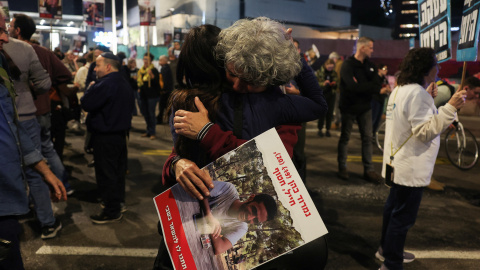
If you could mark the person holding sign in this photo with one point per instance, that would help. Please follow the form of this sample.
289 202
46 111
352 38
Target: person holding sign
412 141
206 78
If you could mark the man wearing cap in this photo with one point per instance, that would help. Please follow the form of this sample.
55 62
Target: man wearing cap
109 103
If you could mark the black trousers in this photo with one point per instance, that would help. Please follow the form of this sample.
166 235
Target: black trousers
10 230
110 155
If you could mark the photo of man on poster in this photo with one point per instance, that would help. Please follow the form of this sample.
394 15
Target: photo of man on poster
93 13
228 217
50 9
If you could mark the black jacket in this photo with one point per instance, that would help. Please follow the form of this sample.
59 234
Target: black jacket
358 82
109 103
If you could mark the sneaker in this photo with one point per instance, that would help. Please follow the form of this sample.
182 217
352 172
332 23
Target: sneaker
328 134
152 137
407 256
104 219
320 133
123 208
343 173
373 177
145 135
51 231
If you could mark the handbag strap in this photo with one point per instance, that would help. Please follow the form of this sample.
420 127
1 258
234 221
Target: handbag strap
391 143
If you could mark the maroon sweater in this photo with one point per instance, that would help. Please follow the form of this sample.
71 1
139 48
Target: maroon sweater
58 74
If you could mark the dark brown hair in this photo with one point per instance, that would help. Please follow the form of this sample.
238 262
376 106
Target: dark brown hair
416 65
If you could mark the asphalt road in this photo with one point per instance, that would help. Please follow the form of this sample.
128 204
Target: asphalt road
446 235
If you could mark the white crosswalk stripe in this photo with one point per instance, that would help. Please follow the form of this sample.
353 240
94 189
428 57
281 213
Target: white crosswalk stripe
97 251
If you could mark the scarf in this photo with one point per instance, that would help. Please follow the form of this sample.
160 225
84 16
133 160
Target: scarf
143 75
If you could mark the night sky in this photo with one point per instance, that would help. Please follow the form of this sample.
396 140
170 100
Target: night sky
369 12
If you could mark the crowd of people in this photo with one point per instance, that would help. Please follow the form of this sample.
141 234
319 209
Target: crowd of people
216 92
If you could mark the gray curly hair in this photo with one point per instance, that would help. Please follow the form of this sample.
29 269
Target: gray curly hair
260 51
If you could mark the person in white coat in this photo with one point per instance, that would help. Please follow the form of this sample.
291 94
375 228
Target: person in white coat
412 141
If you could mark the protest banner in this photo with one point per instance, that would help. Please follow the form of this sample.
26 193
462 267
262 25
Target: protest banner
50 9
6 10
147 12
467 48
93 12
434 27
257 173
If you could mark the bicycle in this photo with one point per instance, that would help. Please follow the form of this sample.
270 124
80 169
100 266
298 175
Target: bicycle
461 145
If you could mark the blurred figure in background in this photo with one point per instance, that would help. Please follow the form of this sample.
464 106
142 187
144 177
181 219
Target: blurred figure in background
378 100
328 80
166 85
148 82
133 71
336 112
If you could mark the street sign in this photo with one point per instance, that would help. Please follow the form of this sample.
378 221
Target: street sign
434 26
467 48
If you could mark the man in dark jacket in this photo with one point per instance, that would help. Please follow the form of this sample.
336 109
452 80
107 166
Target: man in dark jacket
359 81
109 103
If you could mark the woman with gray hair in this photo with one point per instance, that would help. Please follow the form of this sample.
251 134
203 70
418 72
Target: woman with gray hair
260 52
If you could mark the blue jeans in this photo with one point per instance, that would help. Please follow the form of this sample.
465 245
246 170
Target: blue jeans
364 122
49 153
39 190
399 215
148 110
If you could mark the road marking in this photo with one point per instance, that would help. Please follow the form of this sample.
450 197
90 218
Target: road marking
379 159
157 152
97 251
446 254
152 253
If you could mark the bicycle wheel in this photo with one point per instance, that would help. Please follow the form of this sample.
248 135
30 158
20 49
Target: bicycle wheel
461 148
380 136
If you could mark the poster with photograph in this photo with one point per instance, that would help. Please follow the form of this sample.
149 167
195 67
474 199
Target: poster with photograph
259 201
79 43
147 12
6 10
167 39
50 9
93 12
177 34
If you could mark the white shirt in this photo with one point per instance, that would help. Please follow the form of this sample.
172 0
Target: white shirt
411 110
81 77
